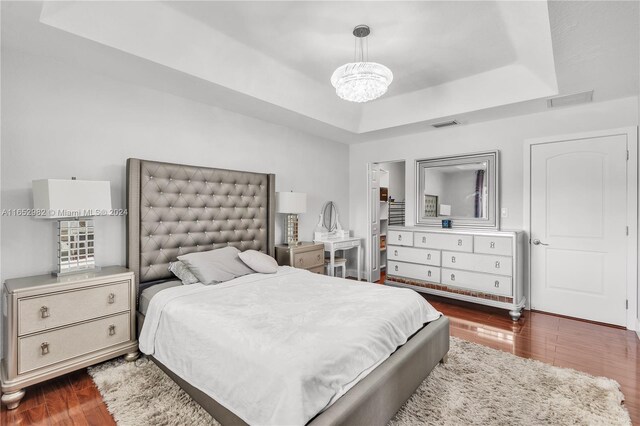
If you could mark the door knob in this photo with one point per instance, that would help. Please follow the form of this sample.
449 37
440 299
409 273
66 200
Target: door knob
537 242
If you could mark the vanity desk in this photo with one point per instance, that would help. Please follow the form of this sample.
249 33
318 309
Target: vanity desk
332 245
330 233
483 267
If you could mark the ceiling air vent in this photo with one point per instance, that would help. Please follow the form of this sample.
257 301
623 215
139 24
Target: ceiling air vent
445 124
573 99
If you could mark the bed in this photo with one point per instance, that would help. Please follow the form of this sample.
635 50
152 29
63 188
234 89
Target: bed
177 209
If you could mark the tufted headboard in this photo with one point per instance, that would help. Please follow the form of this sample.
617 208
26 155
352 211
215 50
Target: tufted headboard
174 209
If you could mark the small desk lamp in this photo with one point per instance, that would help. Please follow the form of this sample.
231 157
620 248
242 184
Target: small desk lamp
71 202
291 204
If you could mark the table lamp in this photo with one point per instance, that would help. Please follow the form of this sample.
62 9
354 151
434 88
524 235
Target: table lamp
291 204
71 202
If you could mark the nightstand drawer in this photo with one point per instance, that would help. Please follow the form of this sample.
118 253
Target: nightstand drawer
55 346
59 309
317 270
309 259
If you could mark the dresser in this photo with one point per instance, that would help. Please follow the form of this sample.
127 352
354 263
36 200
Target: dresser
55 325
306 255
483 267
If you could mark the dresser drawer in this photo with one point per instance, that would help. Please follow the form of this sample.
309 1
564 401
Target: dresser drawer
434 240
50 347
343 245
413 255
415 271
500 265
58 309
486 283
400 238
493 245
309 259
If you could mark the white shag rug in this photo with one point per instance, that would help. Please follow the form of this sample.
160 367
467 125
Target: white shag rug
477 386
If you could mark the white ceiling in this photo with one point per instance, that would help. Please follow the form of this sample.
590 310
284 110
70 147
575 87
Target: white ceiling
424 43
465 60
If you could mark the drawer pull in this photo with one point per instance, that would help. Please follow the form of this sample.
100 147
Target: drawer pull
453 259
497 264
424 239
396 268
459 242
44 348
112 330
497 284
112 298
428 273
320 257
492 245
428 256
300 261
44 312
400 237
395 252
453 277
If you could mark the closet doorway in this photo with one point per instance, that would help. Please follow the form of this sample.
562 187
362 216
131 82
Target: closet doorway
386 207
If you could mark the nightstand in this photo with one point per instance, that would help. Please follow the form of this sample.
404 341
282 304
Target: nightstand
55 325
309 256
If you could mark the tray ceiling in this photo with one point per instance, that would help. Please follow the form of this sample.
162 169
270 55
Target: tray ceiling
273 60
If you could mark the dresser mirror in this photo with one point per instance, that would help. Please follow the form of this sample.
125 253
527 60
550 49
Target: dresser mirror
461 188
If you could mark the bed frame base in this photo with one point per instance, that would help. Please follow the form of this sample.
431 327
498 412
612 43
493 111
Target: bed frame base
376 398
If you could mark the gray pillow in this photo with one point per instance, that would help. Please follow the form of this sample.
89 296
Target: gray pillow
181 271
216 266
259 261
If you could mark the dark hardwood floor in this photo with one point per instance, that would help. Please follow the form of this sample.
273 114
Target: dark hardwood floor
593 348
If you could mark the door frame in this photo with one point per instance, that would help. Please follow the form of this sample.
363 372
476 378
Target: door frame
632 209
368 240
368 244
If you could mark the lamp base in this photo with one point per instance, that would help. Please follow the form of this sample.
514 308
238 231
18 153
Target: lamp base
76 239
291 230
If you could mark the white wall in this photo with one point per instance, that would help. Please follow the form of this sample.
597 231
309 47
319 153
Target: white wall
506 135
60 120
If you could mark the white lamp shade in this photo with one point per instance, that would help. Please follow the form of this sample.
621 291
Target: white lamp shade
291 202
445 210
60 198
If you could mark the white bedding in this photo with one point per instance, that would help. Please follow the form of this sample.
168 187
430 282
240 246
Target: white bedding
278 349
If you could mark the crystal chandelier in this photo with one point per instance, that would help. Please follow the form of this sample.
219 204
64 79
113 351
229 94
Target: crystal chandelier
361 81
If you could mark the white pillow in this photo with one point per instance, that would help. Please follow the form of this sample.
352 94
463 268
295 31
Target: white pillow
181 271
216 266
259 261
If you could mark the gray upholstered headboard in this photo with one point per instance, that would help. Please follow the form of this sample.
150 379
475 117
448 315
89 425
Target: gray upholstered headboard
174 209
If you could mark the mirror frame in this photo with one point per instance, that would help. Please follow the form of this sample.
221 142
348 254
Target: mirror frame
493 167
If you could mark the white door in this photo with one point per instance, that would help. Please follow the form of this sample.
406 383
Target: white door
373 203
579 228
